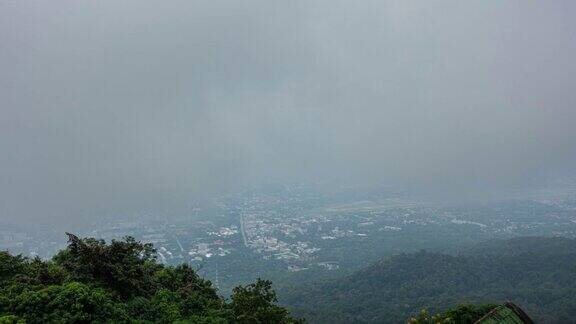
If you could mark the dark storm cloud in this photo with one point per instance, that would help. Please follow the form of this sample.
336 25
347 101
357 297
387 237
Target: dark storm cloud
145 103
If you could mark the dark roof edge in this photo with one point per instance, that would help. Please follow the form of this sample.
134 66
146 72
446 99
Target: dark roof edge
519 312
523 316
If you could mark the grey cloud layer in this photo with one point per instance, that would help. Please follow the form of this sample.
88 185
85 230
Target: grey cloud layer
138 103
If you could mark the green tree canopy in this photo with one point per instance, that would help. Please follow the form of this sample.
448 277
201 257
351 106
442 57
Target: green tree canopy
121 281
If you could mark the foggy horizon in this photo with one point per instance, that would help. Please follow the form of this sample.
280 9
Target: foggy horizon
143 104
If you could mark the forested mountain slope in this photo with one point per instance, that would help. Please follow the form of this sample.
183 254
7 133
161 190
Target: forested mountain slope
537 273
121 282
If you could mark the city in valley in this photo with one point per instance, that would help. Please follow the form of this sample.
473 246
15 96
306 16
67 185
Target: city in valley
290 231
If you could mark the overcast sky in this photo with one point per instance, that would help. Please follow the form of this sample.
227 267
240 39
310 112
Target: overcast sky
137 103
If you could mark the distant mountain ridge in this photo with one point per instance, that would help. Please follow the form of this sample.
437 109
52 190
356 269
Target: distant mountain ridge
537 273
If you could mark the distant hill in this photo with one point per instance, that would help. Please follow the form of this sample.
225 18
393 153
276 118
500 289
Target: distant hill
537 273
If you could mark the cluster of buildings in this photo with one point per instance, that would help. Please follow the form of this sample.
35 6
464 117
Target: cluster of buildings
299 235
276 239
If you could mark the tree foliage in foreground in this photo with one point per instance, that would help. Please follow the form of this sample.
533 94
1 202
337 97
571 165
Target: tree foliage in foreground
91 281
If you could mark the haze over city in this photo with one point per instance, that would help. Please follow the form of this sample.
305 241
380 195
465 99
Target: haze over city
288 162
139 103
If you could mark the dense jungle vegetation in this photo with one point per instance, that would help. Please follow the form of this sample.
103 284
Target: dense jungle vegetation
91 281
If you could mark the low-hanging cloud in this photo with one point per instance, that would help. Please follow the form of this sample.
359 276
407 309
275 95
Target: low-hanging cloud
138 104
